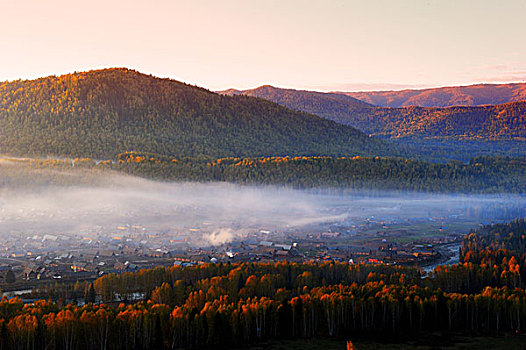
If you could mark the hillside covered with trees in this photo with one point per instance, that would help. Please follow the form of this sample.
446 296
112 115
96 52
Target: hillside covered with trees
319 103
504 122
102 113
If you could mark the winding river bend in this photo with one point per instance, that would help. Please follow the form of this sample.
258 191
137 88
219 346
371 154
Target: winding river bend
451 251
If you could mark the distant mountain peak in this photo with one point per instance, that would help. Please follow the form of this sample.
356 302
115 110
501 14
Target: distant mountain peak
469 95
291 97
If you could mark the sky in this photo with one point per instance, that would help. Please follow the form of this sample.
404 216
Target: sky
326 45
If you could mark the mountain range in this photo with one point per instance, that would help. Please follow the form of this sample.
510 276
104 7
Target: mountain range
472 95
106 112
488 122
103 113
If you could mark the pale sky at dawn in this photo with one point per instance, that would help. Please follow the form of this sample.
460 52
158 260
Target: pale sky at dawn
324 45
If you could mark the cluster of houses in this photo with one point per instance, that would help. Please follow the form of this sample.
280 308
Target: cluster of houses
90 255
77 257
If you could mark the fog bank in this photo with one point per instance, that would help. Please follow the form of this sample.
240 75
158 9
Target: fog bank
215 213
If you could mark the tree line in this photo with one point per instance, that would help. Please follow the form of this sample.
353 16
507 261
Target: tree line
371 174
481 174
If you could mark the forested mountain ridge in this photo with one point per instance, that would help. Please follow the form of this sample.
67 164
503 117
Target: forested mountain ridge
337 107
105 112
319 103
491 122
472 95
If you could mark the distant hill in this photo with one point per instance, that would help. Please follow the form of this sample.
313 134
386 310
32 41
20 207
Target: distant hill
472 95
105 112
337 107
499 122
329 105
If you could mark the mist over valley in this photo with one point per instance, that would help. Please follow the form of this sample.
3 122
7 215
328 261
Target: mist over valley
97 204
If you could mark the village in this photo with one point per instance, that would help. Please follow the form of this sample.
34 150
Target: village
32 260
